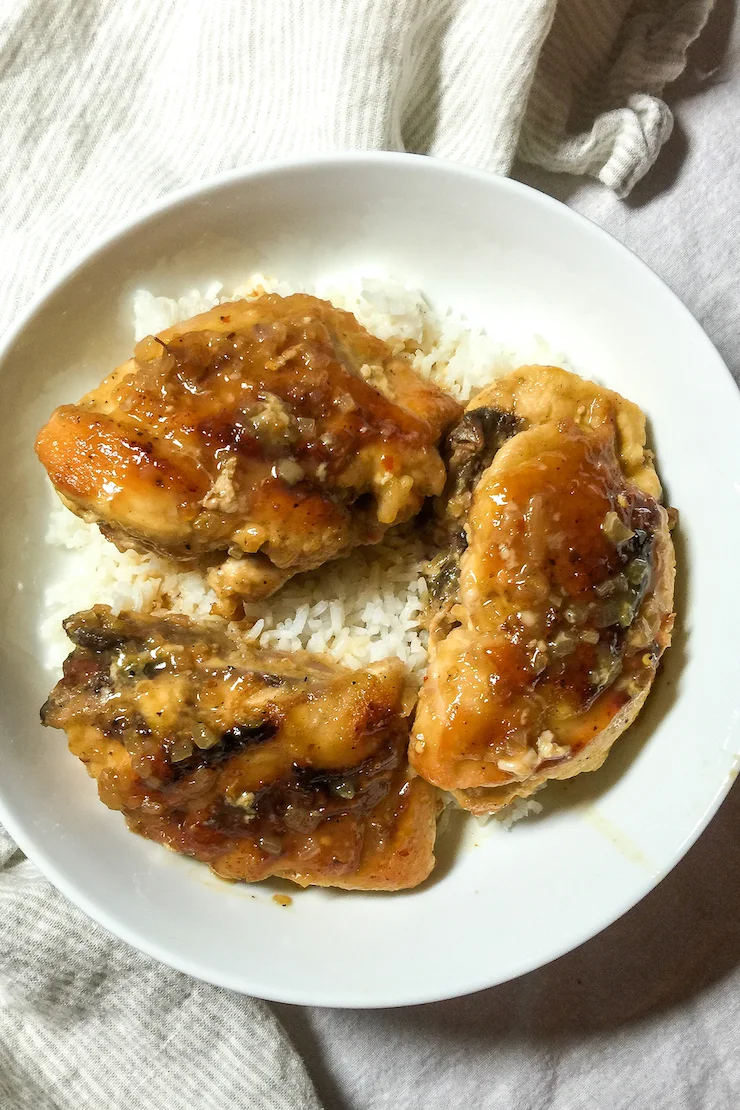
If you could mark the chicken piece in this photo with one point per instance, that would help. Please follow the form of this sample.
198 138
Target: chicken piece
258 762
554 617
260 439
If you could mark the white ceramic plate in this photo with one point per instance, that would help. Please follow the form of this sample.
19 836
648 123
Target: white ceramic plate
501 903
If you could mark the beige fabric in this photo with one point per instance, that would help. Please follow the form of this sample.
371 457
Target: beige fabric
88 1023
107 105
595 106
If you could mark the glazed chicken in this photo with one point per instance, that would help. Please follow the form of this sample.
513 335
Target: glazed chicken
258 762
258 439
555 595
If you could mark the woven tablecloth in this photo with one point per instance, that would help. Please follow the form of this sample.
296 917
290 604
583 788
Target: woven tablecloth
107 106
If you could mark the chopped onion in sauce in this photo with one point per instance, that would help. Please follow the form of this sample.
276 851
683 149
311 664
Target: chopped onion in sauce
615 529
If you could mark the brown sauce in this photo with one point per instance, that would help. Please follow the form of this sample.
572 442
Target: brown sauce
557 563
211 747
567 591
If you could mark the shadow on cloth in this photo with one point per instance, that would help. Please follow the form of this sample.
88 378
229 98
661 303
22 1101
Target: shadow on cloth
704 67
679 941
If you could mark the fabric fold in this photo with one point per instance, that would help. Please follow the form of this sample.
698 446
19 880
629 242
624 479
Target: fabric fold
86 1021
595 106
107 107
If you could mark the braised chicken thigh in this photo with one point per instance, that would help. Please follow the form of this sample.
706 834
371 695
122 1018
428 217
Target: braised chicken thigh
555 595
258 762
264 438
256 440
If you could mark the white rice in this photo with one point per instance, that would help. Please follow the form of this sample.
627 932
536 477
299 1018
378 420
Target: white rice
358 610
452 351
515 811
96 572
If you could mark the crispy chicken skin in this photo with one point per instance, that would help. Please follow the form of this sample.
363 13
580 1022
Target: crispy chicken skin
555 605
260 763
261 438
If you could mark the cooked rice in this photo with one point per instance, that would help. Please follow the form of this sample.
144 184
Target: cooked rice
444 346
358 610
515 811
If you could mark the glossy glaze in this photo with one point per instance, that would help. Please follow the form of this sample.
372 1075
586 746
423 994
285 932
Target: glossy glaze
544 646
257 762
277 426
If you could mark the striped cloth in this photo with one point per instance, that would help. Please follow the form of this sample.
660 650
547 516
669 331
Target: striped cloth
107 106
86 1021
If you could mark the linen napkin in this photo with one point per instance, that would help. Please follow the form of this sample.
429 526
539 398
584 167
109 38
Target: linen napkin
106 107
87 1021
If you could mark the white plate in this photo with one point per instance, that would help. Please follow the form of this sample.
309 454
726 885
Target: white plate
501 903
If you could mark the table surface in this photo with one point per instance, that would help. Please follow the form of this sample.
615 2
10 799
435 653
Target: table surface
648 1013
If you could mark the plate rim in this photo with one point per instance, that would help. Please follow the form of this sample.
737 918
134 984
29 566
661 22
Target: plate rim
37 854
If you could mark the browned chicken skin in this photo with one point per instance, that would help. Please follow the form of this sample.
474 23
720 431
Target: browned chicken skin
264 438
556 597
260 763
261 438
